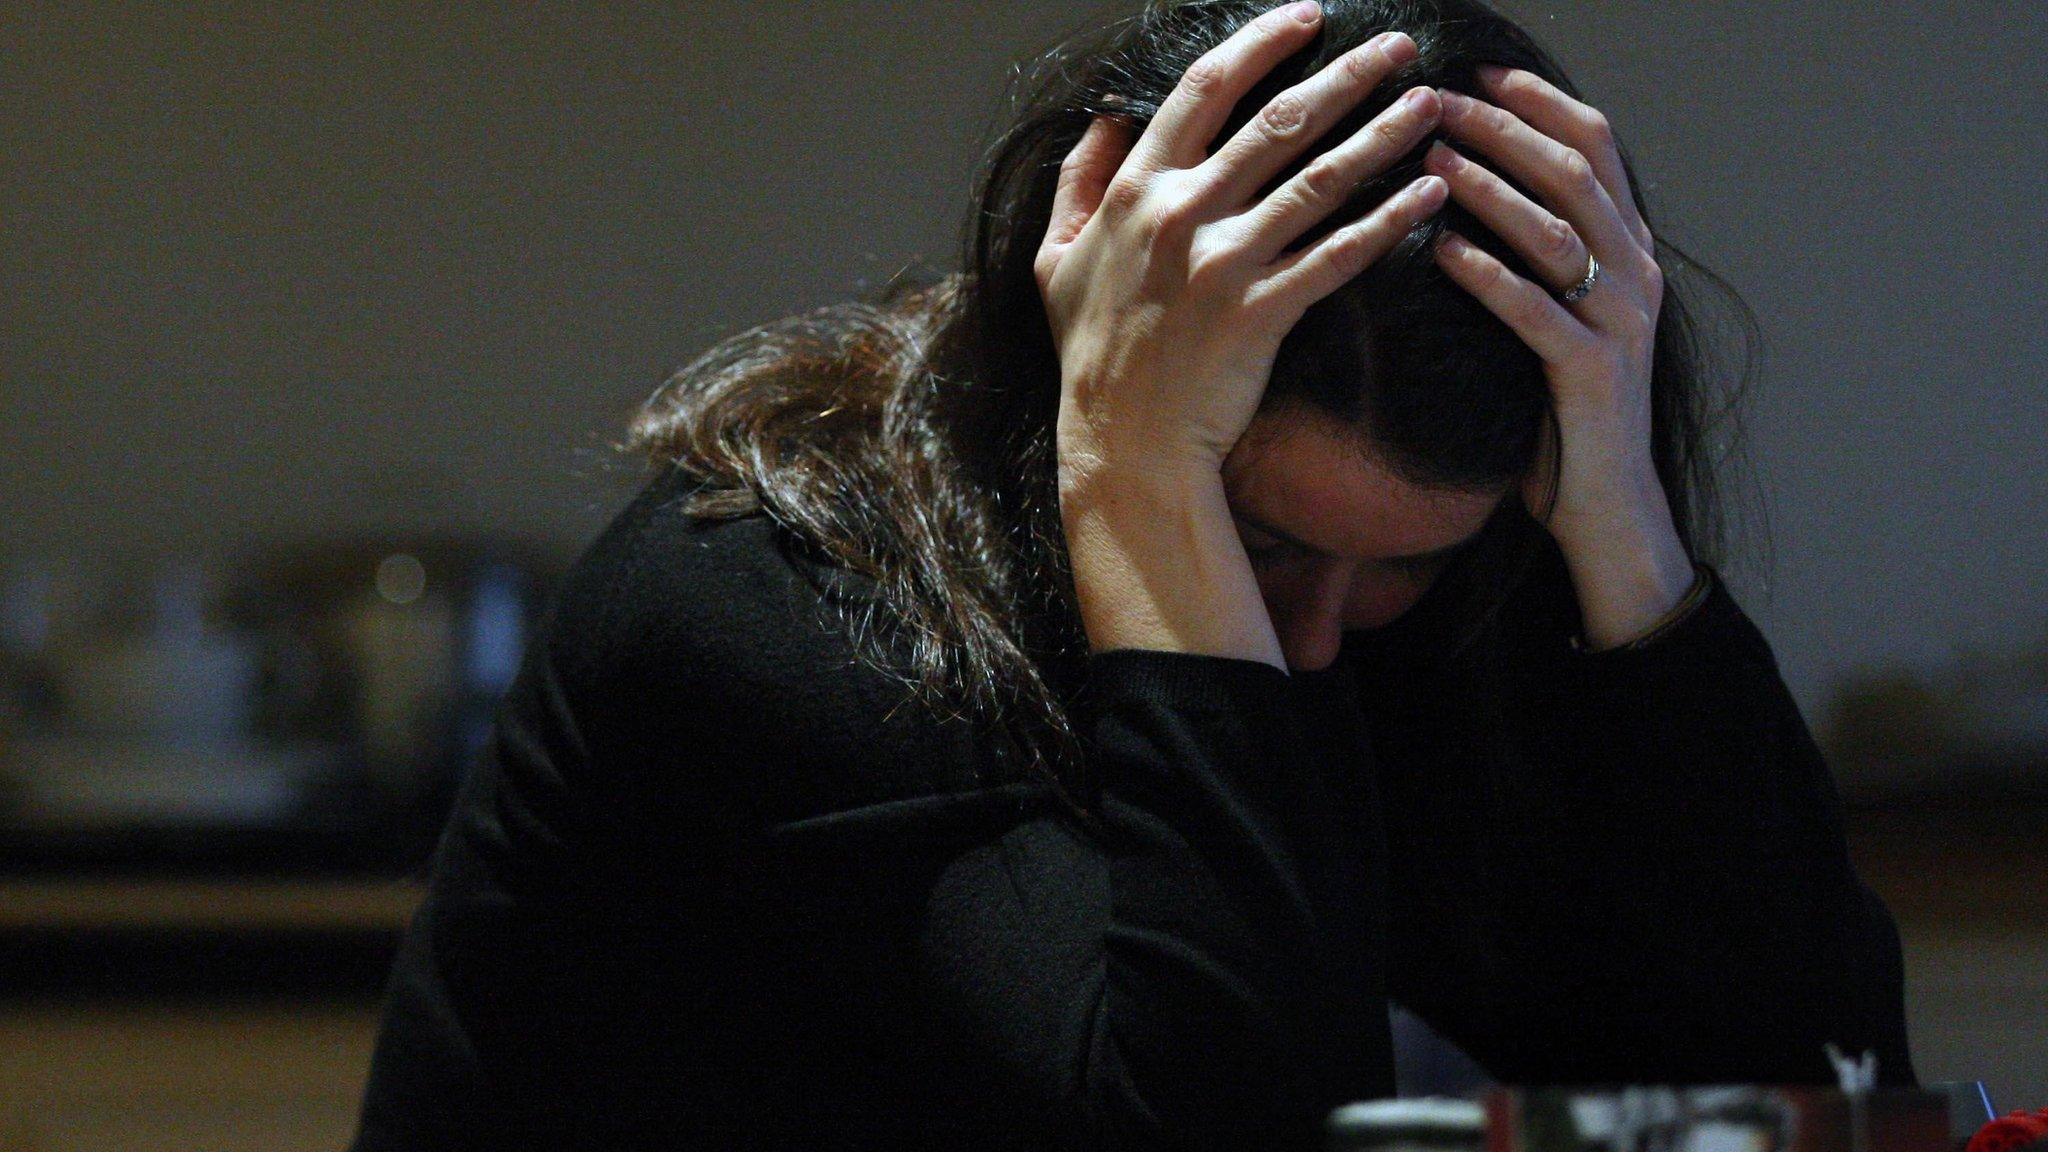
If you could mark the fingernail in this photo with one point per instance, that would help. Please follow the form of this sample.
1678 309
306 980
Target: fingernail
1440 158
1451 243
1453 102
1395 46
1308 11
1490 74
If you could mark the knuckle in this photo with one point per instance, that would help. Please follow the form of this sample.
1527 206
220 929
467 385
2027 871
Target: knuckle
1122 197
1362 66
1351 251
1170 216
1495 193
1389 131
1558 239
1210 271
1578 171
1323 183
1353 246
1156 222
1285 116
1487 277
1203 76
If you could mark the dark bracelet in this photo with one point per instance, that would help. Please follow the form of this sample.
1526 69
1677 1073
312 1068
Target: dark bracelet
1702 584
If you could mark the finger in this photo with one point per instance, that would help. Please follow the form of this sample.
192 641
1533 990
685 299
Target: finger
1534 314
1560 174
1327 181
1549 243
1294 119
1546 108
1179 135
1321 268
1084 174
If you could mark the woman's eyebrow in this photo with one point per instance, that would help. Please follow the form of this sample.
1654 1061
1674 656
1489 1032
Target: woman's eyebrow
1443 553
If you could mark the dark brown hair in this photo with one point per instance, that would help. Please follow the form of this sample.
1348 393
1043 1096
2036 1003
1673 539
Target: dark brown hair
909 440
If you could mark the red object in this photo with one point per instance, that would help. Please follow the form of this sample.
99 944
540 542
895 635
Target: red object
2010 1132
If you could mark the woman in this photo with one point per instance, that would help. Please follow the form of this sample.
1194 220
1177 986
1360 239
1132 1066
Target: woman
1062 706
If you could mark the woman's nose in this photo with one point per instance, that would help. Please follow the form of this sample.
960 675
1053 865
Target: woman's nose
1311 627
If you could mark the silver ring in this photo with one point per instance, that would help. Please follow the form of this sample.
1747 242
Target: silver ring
1577 292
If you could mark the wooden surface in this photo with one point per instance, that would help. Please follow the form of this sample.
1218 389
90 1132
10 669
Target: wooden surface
224 1078
124 903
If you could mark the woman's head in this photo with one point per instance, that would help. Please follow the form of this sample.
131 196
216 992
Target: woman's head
1427 385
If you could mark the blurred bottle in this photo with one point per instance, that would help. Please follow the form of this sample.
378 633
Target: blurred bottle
34 595
174 677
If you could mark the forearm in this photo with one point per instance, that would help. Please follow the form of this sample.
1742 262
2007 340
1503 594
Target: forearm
1158 565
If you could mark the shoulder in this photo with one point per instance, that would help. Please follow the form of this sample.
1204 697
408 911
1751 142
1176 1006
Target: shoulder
696 653
666 594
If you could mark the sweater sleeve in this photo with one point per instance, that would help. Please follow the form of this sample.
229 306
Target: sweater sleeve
1241 984
1668 894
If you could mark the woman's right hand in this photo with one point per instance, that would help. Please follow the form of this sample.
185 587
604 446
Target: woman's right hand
1168 290
1164 278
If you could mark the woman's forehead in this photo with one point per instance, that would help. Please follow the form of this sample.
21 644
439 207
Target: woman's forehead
1311 477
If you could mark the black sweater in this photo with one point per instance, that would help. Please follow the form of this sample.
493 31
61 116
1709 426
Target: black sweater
715 884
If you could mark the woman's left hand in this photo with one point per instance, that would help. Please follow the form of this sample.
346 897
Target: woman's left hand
1608 512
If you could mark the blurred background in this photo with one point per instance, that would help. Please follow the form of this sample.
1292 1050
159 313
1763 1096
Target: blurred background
317 324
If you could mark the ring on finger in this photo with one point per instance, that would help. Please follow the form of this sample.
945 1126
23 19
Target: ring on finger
1512 214
1579 291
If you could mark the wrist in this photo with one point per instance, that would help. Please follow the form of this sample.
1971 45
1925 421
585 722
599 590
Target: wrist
1629 574
1092 456
1695 597
1157 565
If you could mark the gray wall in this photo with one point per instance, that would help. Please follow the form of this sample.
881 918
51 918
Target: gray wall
274 270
